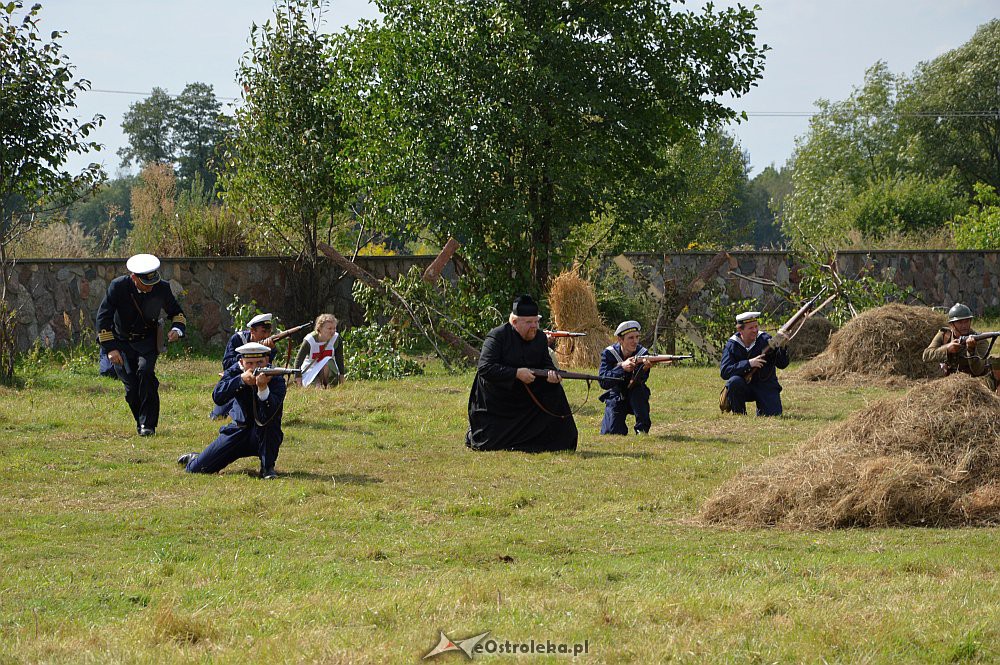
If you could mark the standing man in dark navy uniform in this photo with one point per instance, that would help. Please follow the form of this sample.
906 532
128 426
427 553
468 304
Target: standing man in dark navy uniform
750 374
127 325
257 407
630 395
258 330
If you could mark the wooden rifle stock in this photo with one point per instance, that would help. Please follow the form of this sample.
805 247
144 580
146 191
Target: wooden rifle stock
278 336
648 361
786 332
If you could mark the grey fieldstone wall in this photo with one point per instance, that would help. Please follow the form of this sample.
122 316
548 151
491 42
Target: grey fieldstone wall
47 293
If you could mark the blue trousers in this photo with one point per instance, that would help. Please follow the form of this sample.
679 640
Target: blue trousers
767 397
618 405
235 442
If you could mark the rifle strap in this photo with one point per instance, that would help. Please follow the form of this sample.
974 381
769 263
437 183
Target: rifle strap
572 411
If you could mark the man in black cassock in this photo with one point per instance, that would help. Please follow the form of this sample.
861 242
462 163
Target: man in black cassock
510 408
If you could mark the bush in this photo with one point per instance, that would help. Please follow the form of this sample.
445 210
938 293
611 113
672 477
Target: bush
979 228
370 355
911 204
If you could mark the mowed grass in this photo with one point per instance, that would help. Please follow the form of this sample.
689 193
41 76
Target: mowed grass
383 530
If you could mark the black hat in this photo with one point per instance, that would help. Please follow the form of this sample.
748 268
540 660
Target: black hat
524 305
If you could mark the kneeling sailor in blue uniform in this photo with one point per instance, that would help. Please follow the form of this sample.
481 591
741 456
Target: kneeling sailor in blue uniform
622 360
258 330
748 366
256 427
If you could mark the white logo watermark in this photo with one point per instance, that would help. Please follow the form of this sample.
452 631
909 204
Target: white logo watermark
479 645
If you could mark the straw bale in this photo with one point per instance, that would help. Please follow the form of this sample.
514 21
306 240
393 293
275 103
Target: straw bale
574 308
812 339
880 344
929 457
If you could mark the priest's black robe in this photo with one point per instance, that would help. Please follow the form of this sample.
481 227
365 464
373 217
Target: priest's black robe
502 415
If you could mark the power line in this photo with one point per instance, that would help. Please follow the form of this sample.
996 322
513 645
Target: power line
149 94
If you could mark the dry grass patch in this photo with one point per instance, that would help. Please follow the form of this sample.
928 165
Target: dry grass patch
883 345
928 458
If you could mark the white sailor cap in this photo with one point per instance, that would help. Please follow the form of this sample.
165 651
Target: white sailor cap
145 267
747 317
625 327
259 319
253 350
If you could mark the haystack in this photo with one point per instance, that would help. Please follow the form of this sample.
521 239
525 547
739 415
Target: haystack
812 339
574 308
928 458
884 343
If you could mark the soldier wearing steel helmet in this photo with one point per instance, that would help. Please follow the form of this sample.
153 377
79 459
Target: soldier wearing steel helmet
127 330
948 350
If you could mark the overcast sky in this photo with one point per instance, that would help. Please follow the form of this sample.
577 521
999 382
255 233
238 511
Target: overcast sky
820 49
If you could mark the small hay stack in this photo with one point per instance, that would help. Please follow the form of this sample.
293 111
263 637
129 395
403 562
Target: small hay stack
927 458
884 343
812 339
574 308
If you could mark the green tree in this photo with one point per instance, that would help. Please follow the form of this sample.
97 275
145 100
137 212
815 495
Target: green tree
979 227
689 202
507 124
849 145
760 205
953 110
283 159
183 131
37 134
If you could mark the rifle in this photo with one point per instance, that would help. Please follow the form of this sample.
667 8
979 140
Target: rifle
544 373
277 371
278 336
551 334
648 361
978 337
786 332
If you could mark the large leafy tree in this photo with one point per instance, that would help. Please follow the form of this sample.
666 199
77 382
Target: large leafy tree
953 110
849 145
184 131
507 123
283 167
37 136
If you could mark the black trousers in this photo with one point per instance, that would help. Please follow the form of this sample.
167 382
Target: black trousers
142 388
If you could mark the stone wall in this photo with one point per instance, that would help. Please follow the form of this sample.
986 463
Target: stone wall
48 293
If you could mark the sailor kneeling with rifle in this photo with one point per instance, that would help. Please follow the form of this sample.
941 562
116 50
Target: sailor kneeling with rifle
959 348
623 376
748 367
258 395
509 407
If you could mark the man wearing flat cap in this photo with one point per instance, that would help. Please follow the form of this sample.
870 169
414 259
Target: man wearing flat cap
629 394
257 409
510 408
749 375
258 330
128 326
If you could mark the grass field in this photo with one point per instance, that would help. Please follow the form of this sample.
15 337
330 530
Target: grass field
384 530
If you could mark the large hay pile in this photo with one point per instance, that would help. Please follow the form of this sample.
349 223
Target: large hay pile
928 458
574 308
883 343
812 339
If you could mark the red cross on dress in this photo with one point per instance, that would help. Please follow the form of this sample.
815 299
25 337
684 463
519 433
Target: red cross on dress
322 353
